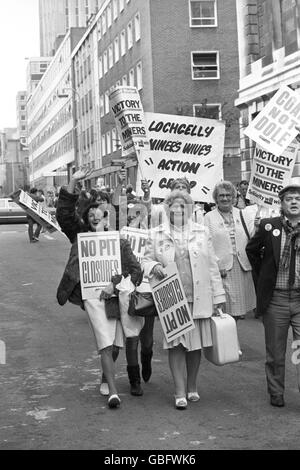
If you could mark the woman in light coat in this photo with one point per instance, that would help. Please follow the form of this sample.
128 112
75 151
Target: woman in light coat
189 245
230 237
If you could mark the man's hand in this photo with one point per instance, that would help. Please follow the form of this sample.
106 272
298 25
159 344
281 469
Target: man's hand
145 187
159 272
81 174
223 272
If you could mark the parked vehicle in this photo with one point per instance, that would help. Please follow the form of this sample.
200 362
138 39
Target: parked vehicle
11 213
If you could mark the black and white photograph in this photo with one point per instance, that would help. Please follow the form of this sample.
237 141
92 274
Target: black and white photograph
150 228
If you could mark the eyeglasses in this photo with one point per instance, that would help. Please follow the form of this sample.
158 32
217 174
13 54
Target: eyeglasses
223 196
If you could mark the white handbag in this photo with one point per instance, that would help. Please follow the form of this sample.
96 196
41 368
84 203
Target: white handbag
225 348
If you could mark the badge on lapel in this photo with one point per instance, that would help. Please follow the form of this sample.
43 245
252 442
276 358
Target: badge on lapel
276 232
268 227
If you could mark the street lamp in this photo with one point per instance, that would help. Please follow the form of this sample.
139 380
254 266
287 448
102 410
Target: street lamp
76 117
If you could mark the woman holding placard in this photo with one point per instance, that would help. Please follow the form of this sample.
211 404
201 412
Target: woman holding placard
103 313
230 231
187 243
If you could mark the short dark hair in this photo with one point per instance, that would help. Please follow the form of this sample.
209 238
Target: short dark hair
85 213
33 191
243 182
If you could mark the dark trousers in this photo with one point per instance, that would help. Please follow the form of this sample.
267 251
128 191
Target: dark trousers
283 312
146 339
38 229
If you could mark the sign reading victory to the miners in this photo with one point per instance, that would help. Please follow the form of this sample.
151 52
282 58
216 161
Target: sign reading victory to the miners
274 127
171 304
182 146
127 108
99 260
270 173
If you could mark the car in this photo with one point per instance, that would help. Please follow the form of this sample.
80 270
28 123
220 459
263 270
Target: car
11 212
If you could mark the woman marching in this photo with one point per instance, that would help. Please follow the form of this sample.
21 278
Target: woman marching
102 315
187 243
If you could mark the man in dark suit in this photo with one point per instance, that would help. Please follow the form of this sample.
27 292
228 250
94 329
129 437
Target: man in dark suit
274 253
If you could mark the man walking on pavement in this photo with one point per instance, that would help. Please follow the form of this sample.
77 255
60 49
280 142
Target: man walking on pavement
34 237
278 284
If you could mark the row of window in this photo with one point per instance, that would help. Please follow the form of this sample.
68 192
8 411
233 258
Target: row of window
110 14
62 146
82 71
58 121
133 78
86 139
86 104
121 44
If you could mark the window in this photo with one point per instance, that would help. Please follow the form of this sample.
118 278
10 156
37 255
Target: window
123 42
103 145
106 103
108 11
115 9
110 56
92 133
131 77
129 35
108 143
23 118
114 139
137 27
203 13
91 99
205 65
23 107
121 5
139 76
209 111
124 80
102 106
117 51
23 128
103 22
105 67
118 83
100 67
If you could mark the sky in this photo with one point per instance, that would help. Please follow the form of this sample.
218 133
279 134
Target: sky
19 38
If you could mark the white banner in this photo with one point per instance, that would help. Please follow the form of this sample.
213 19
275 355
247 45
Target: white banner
99 260
270 173
183 146
274 127
171 304
37 211
127 108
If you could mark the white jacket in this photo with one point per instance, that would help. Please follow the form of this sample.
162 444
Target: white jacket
207 283
221 239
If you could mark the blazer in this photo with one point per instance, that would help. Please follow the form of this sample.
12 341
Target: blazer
221 239
207 282
263 251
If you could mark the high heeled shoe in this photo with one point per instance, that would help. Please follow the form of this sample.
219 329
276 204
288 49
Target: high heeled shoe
180 403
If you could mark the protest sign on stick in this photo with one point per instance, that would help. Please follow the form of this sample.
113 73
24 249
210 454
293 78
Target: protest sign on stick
171 304
127 108
99 259
36 210
183 146
270 173
274 128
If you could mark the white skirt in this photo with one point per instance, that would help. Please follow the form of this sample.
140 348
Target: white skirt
107 332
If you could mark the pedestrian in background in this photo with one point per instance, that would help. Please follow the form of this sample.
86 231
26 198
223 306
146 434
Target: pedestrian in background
230 236
278 285
241 200
36 195
102 314
181 240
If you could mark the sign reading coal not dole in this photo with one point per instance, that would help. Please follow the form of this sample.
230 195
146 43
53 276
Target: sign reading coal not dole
274 127
99 259
127 108
183 146
270 173
171 304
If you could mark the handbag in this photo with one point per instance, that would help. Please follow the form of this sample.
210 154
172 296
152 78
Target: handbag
142 304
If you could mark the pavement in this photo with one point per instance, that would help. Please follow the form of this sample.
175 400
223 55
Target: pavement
49 386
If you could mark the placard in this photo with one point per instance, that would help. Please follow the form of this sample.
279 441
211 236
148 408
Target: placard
270 173
171 304
274 127
183 146
99 259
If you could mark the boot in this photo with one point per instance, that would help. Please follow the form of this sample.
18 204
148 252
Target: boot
135 380
146 365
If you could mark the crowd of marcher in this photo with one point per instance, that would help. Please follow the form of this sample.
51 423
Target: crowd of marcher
227 257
